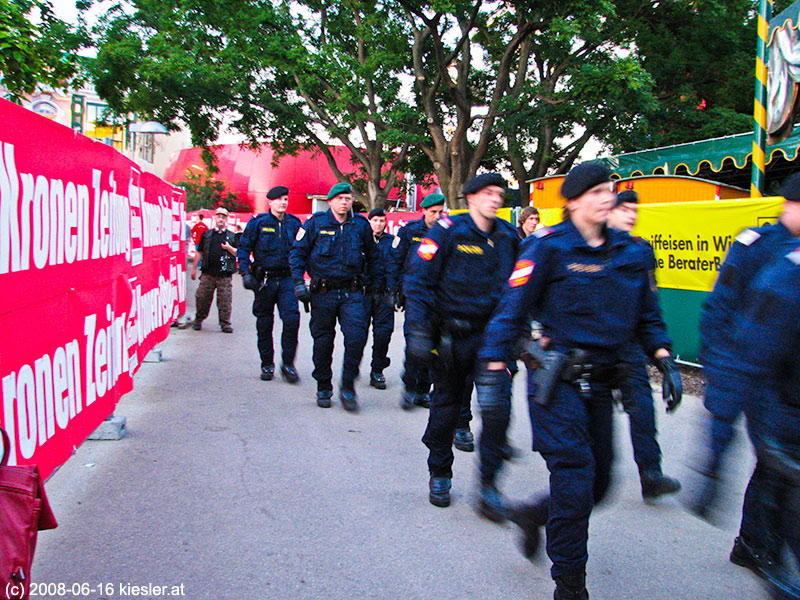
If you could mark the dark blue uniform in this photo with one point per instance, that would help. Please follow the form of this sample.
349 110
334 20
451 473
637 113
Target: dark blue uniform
752 249
379 311
637 394
334 255
597 299
766 342
416 377
269 239
453 284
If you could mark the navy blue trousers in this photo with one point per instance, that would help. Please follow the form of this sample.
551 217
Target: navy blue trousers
450 403
348 307
280 292
416 375
381 315
574 436
638 403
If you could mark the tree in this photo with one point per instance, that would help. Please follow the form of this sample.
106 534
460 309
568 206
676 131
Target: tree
290 74
204 190
36 47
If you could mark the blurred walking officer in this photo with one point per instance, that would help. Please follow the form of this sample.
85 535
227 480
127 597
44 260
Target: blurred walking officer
637 396
268 238
332 247
767 338
453 285
589 288
380 311
416 377
726 375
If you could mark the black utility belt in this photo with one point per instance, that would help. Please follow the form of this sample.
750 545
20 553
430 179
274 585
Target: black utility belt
462 328
327 285
264 273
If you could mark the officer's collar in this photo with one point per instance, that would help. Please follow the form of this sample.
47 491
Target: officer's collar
332 218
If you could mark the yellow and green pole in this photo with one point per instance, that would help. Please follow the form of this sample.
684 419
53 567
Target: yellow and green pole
760 104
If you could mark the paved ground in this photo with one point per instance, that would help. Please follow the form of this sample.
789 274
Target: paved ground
238 489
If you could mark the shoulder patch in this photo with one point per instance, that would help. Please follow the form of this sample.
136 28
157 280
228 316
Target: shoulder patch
445 221
747 237
521 273
427 249
300 234
396 241
794 256
544 231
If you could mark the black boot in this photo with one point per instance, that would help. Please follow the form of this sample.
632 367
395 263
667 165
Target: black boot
491 503
530 518
267 372
324 398
757 560
656 484
571 587
464 440
348 397
439 491
289 373
377 380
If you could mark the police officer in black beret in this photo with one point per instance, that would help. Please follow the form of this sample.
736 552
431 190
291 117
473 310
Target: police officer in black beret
589 287
379 305
637 396
268 239
453 286
336 248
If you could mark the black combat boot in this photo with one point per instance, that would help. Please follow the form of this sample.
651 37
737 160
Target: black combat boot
348 398
756 559
655 484
491 503
408 399
571 587
377 380
324 398
267 372
439 491
423 400
464 440
530 518
289 373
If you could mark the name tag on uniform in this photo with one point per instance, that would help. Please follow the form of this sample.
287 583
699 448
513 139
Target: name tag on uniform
268 229
416 239
580 268
469 249
327 232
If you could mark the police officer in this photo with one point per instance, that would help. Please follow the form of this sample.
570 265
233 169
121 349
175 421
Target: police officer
379 299
589 288
766 339
725 375
637 397
332 247
268 239
453 285
416 377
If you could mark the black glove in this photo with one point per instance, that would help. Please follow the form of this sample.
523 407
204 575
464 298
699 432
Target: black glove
419 344
302 292
388 299
249 282
399 300
672 387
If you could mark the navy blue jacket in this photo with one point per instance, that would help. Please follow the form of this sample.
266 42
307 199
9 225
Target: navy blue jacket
458 271
386 277
406 243
268 240
336 252
598 299
752 249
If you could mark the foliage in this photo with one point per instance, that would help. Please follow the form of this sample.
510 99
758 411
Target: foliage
36 47
205 191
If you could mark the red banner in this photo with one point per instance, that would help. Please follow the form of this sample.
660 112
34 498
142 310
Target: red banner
92 273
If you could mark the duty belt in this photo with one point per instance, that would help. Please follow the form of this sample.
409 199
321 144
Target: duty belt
326 285
278 273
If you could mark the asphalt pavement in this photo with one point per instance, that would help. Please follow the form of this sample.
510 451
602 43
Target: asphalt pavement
228 487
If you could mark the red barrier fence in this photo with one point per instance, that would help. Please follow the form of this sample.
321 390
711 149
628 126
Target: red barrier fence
92 273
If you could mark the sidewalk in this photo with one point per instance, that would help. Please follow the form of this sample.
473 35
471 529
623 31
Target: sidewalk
240 489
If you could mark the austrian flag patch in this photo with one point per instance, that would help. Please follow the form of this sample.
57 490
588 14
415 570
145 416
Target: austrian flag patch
427 249
521 274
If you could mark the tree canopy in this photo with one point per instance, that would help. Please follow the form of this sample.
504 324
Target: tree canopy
444 86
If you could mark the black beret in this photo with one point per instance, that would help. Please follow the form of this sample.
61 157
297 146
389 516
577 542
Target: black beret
791 188
277 192
376 212
584 177
477 183
627 196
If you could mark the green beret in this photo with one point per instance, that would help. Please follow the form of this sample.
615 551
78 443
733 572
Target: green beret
432 200
339 188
